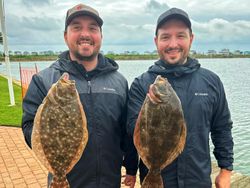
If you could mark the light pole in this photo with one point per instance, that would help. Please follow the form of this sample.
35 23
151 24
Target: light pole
6 54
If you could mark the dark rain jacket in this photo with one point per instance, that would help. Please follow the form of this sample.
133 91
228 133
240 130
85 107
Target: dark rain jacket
103 93
205 110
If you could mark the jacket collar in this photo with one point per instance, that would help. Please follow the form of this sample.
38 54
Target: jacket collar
65 64
162 68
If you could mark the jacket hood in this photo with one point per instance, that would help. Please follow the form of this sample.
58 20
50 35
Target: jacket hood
162 68
65 64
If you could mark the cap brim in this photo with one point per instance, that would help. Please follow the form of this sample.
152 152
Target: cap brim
87 13
174 16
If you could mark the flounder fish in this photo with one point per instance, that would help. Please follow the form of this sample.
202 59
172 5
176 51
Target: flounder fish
160 131
60 133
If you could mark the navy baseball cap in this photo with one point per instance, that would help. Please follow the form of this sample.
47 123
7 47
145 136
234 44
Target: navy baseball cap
173 13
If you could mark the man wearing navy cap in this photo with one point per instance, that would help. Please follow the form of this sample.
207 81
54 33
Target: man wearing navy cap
103 94
203 101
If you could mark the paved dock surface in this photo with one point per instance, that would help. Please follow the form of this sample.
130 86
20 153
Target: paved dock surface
19 167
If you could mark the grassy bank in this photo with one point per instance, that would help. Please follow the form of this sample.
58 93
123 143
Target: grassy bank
155 56
10 115
116 57
132 57
31 58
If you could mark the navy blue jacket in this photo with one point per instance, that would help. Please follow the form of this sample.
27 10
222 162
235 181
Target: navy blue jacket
205 110
103 93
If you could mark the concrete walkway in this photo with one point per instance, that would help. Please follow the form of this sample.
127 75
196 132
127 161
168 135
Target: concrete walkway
19 166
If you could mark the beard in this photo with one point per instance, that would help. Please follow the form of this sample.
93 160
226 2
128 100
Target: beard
85 58
181 60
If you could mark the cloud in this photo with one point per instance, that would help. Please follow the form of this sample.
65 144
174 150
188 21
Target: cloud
129 24
33 3
203 10
132 26
130 34
155 7
220 30
34 30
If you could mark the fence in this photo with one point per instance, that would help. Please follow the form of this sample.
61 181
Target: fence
26 74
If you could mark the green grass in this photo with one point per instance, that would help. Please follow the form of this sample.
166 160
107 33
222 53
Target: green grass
10 115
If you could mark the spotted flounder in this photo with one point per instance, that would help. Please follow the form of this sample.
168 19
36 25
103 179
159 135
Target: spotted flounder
160 132
60 132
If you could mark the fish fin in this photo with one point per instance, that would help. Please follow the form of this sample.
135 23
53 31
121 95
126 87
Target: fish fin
136 135
59 182
183 137
153 180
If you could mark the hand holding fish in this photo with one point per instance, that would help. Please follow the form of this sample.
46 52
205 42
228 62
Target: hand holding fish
160 131
129 180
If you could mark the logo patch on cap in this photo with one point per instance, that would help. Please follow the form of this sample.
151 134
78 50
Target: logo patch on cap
79 7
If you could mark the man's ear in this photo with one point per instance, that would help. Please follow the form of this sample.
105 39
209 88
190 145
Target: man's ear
191 38
65 37
156 40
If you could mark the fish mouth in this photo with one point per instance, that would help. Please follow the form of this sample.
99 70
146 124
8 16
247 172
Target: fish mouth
159 80
65 79
68 81
159 89
154 93
65 76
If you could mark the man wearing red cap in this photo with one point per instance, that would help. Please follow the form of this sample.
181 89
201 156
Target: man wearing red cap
103 93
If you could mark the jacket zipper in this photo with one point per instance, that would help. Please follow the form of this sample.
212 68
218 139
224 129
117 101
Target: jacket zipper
89 87
96 142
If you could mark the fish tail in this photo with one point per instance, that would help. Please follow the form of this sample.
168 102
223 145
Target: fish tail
153 180
61 182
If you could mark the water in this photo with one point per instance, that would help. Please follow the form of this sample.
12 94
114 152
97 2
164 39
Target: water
234 74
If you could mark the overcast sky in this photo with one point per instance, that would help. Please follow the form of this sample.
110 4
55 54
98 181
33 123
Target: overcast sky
37 25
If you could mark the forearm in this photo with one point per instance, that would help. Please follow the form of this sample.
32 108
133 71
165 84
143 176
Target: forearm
221 131
223 148
135 102
130 161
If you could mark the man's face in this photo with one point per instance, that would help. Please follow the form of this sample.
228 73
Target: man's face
173 41
83 37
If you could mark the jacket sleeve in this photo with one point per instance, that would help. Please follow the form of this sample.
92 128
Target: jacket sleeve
135 101
33 98
130 160
221 133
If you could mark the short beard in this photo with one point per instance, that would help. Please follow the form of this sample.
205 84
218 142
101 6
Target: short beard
181 61
85 58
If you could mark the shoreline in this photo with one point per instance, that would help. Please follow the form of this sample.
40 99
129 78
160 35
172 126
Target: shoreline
32 58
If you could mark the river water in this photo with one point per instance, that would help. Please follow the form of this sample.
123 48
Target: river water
235 75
